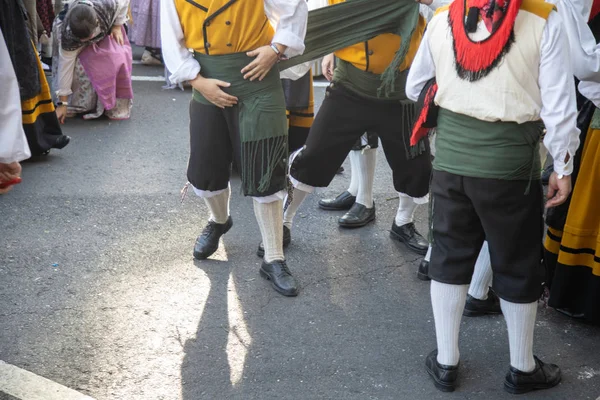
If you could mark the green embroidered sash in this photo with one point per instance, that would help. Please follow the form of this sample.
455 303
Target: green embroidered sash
341 25
263 123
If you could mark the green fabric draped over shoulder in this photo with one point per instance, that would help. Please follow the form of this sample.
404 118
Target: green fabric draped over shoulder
341 25
263 123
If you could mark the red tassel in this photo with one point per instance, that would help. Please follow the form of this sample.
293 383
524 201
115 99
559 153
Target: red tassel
475 59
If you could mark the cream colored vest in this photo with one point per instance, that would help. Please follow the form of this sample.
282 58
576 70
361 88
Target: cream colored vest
510 92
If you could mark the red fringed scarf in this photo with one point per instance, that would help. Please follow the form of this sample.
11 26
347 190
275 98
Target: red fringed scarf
426 112
474 60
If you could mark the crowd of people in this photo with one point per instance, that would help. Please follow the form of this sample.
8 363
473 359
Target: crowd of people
466 98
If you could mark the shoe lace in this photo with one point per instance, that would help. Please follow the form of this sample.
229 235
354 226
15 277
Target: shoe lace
284 269
208 229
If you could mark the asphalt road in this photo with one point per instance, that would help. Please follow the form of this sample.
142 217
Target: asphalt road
101 294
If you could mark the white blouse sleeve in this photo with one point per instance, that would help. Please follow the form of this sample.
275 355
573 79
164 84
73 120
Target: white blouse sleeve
13 143
585 54
122 8
178 59
66 69
559 107
288 17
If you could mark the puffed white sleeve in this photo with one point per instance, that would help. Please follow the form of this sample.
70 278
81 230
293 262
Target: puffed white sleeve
288 17
585 54
178 59
421 70
559 106
13 143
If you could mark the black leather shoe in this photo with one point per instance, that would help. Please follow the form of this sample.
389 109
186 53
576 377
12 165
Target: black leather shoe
444 376
357 216
544 376
61 142
208 241
423 271
344 201
475 307
408 235
287 239
340 170
546 174
280 276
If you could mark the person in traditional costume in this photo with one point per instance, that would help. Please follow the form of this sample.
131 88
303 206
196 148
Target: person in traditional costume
238 111
363 159
573 287
92 67
352 106
39 119
493 79
13 142
145 29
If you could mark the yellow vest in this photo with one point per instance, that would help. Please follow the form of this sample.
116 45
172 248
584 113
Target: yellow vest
224 26
376 54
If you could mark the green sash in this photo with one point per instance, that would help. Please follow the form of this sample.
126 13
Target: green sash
263 123
367 84
341 25
496 150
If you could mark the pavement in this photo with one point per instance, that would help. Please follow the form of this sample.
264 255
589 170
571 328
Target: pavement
100 293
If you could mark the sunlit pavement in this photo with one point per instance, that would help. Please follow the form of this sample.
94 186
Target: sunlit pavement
100 293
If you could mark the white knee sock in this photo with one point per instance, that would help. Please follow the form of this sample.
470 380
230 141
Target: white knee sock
428 255
366 174
406 210
520 321
270 222
292 204
354 168
219 206
448 302
482 276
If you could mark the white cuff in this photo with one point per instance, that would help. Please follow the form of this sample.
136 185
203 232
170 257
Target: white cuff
417 200
271 198
207 194
562 168
295 44
187 71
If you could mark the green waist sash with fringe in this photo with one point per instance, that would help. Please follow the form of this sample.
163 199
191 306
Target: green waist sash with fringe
263 123
344 24
366 85
497 150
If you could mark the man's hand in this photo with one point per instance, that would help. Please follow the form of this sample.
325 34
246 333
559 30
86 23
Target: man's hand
61 113
328 65
211 90
8 172
558 190
265 59
117 33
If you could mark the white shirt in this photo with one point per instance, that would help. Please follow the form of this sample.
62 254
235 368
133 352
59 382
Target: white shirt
559 109
288 17
67 59
13 143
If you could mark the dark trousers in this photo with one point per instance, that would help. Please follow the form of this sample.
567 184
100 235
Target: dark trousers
467 211
342 119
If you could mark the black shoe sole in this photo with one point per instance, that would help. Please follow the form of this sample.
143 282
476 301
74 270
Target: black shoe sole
510 388
443 386
277 288
204 256
357 225
417 250
422 276
335 208
473 313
